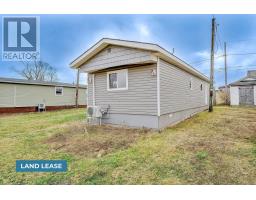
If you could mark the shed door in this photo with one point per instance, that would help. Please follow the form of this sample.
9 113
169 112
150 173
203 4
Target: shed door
246 95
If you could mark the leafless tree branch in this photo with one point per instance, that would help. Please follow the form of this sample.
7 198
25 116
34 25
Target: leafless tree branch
38 70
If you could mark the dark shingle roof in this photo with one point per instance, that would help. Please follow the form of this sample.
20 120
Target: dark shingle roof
33 82
250 79
245 81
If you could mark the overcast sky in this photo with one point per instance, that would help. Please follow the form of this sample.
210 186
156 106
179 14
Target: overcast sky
64 37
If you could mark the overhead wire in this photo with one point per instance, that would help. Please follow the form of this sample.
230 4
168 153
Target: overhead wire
219 46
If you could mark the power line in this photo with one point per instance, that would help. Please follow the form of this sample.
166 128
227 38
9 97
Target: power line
219 38
242 66
240 54
219 56
207 59
238 67
216 44
245 40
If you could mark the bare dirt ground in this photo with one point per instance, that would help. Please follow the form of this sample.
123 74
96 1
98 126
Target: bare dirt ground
94 141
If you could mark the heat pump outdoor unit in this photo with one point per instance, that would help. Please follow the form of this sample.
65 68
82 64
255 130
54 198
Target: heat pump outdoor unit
41 107
94 112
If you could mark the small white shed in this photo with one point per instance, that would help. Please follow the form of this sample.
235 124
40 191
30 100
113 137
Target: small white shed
243 91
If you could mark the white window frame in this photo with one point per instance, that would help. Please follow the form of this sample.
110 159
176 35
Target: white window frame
116 71
56 90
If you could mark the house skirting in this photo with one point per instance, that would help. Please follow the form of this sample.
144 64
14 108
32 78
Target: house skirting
34 108
170 119
150 121
131 120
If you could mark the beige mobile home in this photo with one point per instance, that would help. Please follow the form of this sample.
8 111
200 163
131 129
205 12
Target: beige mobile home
19 95
140 84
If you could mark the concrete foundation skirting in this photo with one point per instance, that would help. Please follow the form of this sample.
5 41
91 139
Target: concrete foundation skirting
34 108
150 121
175 117
136 121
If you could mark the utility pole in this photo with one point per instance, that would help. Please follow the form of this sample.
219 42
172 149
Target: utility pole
212 65
77 86
226 81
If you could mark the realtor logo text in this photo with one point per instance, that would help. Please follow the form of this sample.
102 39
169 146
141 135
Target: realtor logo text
21 39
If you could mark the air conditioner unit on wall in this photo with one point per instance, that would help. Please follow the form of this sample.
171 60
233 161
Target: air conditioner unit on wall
41 107
94 112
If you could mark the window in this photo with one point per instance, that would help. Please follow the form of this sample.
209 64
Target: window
58 91
117 80
191 84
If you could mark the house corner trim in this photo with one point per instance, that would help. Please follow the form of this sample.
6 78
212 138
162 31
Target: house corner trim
93 89
158 87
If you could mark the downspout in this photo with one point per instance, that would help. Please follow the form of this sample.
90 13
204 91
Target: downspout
86 92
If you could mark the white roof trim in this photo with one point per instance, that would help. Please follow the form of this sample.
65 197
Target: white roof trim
159 51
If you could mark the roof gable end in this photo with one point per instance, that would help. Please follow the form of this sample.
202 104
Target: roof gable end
159 52
113 56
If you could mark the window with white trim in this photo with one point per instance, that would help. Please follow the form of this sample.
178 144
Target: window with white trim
117 80
58 91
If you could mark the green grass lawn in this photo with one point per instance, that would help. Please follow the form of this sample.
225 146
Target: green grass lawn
209 148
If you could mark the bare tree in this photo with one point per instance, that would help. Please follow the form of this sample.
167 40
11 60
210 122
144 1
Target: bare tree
38 70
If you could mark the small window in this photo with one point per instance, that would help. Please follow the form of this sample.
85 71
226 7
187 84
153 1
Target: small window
117 80
201 87
58 91
191 84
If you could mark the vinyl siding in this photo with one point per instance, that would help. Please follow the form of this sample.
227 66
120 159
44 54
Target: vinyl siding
140 98
117 57
31 95
7 93
175 93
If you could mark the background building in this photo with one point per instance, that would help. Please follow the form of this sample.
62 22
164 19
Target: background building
19 95
243 91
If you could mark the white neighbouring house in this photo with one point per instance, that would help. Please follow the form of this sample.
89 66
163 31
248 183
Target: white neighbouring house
243 91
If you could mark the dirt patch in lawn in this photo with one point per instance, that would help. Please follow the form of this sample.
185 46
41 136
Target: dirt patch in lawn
94 141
